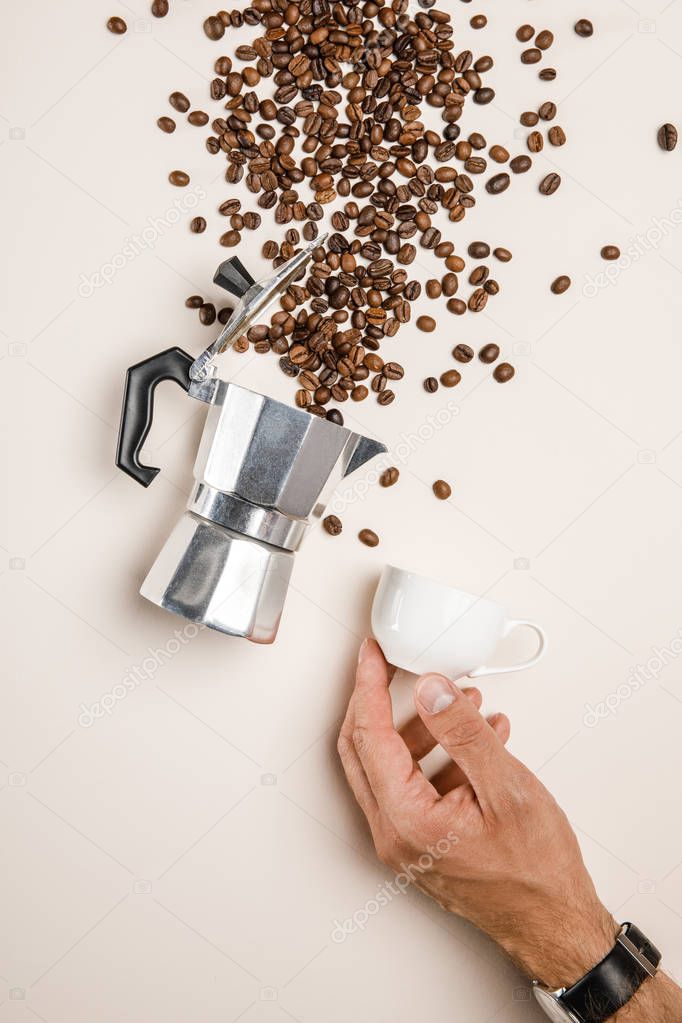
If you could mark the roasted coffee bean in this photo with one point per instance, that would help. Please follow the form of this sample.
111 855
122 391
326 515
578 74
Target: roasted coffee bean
431 385
386 397
389 476
450 378
529 119
547 111
478 21
442 490
479 250
610 252
547 74
207 314
503 372
179 102
535 142
334 416
252 221
584 28
521 164
434 289
230 207
499 154
504 255
426 323
524 33
393 371
224 315
544 39
332 524
561 284
456 306
117 26
178 178
531 56
160 8
498 183
198 118
269 250
463 353
667 137
230 239
166 124
194 302
549 184
484 96
368 537
489 353
556 135
197 225
214 27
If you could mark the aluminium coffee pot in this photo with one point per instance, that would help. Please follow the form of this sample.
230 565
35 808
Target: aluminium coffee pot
263 471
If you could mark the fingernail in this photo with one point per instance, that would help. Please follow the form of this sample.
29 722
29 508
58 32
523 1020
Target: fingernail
362 652
435 693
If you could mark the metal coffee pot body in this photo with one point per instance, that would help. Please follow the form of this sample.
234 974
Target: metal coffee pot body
263 472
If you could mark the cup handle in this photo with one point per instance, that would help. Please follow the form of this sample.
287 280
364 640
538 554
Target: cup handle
540 652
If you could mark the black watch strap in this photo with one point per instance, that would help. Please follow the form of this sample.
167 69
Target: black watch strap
613 981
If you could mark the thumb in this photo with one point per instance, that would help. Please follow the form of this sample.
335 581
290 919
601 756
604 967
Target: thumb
462 732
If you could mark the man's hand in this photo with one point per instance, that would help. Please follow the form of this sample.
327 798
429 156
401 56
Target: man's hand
498 849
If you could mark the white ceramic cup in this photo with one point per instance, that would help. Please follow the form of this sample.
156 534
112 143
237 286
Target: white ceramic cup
425 626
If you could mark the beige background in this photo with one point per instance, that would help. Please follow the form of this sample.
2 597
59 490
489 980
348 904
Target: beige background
187 855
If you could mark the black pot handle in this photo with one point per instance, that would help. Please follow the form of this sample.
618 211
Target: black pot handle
138 407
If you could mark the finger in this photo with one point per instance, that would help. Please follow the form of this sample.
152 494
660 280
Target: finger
451 776
463 733
418 738
394 777
353 769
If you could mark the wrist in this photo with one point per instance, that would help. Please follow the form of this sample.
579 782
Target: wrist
561 948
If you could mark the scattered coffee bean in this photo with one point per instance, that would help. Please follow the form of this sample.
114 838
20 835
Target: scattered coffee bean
561 284
160 8
426 323
504 255
252 221
556 135
197 225
584 28
478 21
117 26
333 525
610 252
194 302
504 372
479 250
489 353
499 154
178 178
535 142
497 184
521 164
270 250
547 111
434 289
547 74
214 27
389 476
334 416
368 537
179 102
230 239
667 137
544 39
166 124
524 33
531 56
450 378
442 490
463 353
549 184
207 314
198 118
529 119
431 385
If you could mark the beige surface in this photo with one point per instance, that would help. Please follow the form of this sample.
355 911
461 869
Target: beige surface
188 855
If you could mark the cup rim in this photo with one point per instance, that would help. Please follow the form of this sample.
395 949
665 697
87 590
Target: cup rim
446 587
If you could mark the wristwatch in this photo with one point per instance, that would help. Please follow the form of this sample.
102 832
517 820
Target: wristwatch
608 986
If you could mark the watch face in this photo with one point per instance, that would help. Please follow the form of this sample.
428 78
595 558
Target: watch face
552 1007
